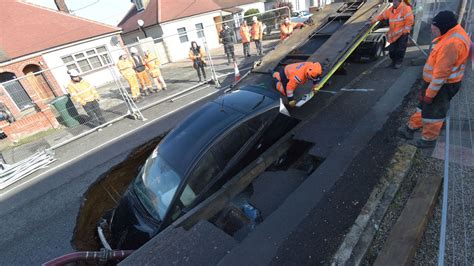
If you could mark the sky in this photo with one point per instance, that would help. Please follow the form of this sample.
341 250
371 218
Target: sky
105 11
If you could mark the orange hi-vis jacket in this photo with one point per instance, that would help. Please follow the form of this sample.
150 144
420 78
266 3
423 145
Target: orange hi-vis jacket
82 92
400 21
245 34
296 75
447 60
125 67
287 30
257 30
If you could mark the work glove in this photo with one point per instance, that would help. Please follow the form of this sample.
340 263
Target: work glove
427 100
292 103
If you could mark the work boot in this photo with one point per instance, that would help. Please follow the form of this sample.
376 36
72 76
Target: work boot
406 132
421 143
145 93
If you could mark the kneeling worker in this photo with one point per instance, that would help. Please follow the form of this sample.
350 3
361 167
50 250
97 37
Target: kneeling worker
294 75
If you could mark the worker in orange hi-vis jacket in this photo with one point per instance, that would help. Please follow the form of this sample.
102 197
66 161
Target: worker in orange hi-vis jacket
245 36
289 78
400 21
257 34
287 27
442 75
125 67
153 65
140 69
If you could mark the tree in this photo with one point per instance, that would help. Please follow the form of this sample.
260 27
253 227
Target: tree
250 13
269 19
282 13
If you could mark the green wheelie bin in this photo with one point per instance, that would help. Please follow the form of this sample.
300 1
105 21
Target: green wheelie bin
66 110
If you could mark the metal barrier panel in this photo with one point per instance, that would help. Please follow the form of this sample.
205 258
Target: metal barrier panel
37 113
457 225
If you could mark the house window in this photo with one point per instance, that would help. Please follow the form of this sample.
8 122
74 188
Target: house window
88 60
200 30
138 4
183 36
15 90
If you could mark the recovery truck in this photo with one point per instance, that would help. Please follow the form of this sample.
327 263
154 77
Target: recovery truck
338 31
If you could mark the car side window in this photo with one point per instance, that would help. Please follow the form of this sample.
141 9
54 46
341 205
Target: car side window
206 169
230 145
257 122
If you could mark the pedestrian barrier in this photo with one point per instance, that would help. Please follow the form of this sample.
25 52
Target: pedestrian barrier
91 89
455 145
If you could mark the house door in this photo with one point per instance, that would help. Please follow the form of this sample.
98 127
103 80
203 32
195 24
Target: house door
15 90
38 82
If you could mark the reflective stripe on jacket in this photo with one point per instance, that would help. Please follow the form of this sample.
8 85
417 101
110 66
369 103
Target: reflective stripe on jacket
287 30
245 34
447 60
296 75
82 92
257 30
400 21
125 67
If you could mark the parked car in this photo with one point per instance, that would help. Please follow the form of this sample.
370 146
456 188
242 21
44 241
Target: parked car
300 16
194 160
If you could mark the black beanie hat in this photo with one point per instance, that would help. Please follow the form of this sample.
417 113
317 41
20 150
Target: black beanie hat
445 20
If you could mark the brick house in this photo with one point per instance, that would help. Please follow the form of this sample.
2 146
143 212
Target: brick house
37 46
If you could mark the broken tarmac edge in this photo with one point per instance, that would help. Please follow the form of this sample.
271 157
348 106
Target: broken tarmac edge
356 243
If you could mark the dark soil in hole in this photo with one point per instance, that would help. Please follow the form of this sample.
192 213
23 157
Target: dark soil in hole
104 195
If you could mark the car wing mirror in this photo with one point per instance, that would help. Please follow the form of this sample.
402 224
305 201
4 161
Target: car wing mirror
283 109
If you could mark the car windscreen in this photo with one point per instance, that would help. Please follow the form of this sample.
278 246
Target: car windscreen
156 185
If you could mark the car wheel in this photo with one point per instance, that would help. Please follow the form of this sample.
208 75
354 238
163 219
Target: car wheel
378 50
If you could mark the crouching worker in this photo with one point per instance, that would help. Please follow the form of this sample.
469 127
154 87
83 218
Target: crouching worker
289 78
86 95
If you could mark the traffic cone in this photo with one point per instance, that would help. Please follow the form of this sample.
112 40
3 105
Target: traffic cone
236 72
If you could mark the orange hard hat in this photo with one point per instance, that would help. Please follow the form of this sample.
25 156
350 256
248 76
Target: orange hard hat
314 71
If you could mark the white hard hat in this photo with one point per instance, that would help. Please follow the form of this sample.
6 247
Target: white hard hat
133 50
254 18
73 73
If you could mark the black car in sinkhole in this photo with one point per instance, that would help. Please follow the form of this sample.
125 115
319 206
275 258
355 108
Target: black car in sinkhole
193 161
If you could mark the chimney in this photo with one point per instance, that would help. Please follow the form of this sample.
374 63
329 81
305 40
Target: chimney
61 5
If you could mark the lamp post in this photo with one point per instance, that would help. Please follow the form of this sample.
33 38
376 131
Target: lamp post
140 26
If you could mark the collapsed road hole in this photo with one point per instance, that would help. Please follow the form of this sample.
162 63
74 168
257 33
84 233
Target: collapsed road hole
104 195
268 191
107 192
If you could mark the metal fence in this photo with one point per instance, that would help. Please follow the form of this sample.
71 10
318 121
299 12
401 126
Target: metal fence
40 114
456 245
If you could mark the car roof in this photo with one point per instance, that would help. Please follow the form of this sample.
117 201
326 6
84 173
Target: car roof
184 144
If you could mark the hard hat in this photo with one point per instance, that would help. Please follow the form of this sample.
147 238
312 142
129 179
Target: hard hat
254 18
314 71
133 50
73 73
